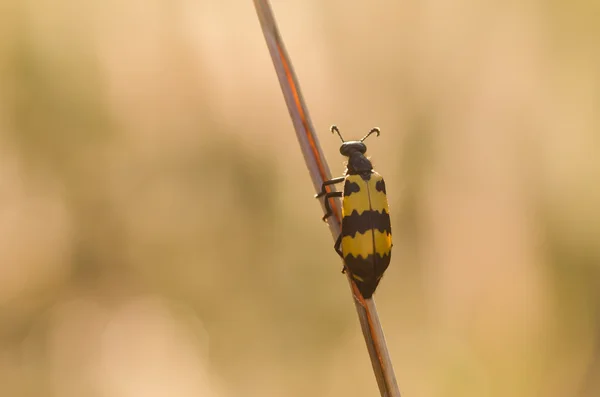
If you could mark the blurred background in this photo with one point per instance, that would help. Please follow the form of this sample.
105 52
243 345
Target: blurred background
158 232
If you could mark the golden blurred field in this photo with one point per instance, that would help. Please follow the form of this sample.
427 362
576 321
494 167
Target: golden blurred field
158 232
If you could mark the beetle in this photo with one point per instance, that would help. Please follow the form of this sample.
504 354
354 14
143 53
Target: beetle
365 243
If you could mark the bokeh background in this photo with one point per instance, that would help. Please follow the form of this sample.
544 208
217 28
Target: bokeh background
158 232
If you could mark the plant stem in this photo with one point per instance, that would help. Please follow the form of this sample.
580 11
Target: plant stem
319 172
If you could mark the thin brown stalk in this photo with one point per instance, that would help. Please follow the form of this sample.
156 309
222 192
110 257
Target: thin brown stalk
319 172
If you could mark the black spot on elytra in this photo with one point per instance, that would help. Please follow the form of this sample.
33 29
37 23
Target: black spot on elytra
367 220
351 187
380 186
369 269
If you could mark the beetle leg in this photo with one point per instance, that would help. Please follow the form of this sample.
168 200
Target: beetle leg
327 206
329 182
337 245
337 248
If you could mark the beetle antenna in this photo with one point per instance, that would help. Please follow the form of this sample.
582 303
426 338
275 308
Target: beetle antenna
335 129
370 132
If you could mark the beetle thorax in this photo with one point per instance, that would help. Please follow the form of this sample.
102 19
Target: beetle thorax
358 163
